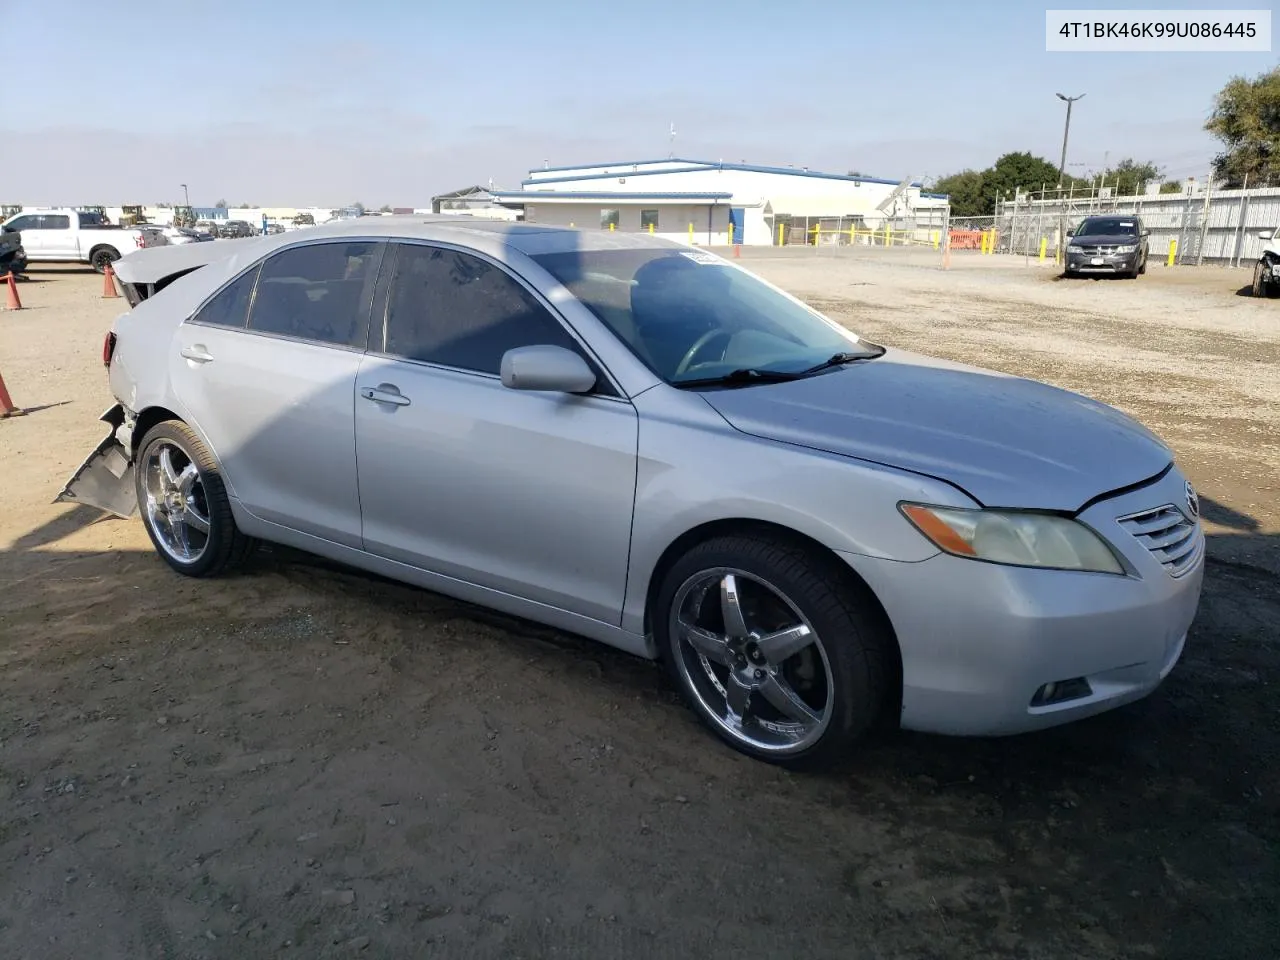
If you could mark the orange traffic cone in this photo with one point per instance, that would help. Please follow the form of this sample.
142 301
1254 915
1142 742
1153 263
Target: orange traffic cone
12 302
7 409
109 283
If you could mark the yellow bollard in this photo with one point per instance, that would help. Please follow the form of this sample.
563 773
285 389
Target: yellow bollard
815 236
611 226
853 233
1173 252
651 228
1044 245
690 234
779 234
888 236
934 236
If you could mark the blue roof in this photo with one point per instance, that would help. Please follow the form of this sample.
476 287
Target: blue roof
694 166
529 195
625 163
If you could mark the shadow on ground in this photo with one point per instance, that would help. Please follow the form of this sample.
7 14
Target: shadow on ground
200 761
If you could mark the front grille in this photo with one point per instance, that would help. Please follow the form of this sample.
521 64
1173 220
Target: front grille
1096 251
1168 535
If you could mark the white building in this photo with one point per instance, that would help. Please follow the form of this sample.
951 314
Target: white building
700 201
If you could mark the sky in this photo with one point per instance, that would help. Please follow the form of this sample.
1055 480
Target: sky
315 102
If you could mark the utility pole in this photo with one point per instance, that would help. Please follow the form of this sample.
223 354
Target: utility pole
1062 164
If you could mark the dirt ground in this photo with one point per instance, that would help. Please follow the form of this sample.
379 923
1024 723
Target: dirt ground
301 761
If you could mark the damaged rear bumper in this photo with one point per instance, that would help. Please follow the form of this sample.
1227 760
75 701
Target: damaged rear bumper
105 479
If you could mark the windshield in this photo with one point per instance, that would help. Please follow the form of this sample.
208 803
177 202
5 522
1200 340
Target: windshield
690 316
1110 226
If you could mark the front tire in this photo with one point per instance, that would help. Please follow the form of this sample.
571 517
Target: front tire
1261 286
184 504
779 651
103 256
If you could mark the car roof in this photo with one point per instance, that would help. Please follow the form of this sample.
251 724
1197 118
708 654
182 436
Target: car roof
153 264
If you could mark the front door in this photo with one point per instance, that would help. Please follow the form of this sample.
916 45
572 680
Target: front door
33 235
524 492
273 396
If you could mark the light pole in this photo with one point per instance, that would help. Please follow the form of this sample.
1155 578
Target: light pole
186 197
1062 164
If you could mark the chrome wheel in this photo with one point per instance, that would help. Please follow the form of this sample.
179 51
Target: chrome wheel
177 509
754 663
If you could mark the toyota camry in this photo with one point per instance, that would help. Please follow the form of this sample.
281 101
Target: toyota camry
647 444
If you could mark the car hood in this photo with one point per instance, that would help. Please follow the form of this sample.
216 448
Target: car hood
1005 440
1104 239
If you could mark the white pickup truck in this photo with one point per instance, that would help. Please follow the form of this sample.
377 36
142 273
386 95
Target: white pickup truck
71 236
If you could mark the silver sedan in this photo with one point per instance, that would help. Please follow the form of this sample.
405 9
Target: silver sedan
646 444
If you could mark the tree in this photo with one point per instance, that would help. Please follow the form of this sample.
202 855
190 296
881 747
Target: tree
1128 177
221 204
1246 118
973 192
965 190
385 208
1171 186
1019 171
358 207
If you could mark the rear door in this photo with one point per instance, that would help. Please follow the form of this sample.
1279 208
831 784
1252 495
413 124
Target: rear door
57 238
267 369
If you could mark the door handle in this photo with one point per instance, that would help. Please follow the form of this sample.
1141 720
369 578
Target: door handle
197 352
385 393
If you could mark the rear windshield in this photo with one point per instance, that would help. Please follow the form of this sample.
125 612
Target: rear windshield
92 220
1115 226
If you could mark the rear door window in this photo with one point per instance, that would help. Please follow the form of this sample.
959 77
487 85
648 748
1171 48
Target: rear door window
318 292
230 306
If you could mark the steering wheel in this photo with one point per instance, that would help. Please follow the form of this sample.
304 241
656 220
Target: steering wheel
698 345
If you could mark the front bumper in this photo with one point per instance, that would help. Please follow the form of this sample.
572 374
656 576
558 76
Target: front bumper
978 640
1104 263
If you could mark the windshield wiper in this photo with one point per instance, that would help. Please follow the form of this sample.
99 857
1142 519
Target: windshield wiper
840 359
739 378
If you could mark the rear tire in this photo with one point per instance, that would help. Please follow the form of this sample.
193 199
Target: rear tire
820 674
100 257
184 504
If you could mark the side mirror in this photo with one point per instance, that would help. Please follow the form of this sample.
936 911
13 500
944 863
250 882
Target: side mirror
546 367
1145 234
1267 235
1071 233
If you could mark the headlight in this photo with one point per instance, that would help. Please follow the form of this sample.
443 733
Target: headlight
1127 248
1074 248
1014 537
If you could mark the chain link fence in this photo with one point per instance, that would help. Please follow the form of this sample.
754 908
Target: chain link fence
919 228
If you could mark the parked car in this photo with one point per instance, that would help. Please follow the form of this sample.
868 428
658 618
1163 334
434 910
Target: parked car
1109 244
208 227
73 236
651 446
1266 272
13 258
236 228
180 235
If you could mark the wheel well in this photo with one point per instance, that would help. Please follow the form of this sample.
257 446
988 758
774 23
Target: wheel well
744 527
102 246
147 419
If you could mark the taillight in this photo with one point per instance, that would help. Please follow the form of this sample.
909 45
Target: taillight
140 239
108 348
